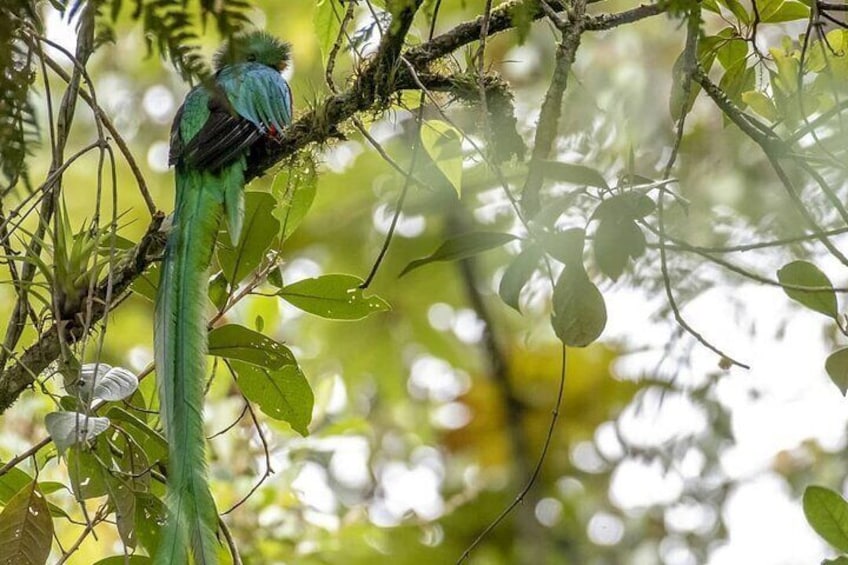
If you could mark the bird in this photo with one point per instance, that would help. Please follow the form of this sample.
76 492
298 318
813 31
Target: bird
224 126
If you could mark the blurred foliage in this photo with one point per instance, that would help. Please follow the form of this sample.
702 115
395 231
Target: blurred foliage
401 435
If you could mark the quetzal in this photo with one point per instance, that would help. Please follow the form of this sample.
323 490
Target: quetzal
222 128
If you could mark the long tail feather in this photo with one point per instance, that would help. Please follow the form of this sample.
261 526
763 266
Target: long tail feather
180 344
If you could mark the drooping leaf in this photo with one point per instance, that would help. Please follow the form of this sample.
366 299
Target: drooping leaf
327 24
574 174
283 394
443 143
150 515
805 274
102 381
125 560
615 243
26 528
86 473
579 312
218 290
154 445
242 344
258 232
629 205
837 369
11 482
735 6
761 104
147 283
69 428
294 188
565 246
337 297
517 274
462 246
122 499
777 11
827 513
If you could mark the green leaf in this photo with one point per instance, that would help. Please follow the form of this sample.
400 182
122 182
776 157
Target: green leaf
242 344
841 560
150 514
294 188
630 205
327 24
462 246
827 513
338 297
443 143
565 246
12 482
574 174
837 368
517 274
146 284
86 473
579 313
805 274
777 11
615 242
258 232
731 49
218 290
737 9
125 560
26 528
283 394
151 441
738 79
761 104
123 501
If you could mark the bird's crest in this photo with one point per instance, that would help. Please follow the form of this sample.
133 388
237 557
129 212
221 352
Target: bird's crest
255 46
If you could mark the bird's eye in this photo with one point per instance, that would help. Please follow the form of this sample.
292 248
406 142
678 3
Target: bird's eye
251 58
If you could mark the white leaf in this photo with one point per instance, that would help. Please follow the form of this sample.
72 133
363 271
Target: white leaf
118 383
68 428
108 383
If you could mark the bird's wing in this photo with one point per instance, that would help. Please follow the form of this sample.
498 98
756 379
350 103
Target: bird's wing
218 123
261 95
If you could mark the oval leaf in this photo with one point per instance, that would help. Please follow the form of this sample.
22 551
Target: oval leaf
282 394
69 428
517 275
574 174
11 482
565 246
337 297
125 560
327 25
26 528
115 384
462 246
242 344
827 513
805 274
443 143
259 229
294 188
579 311
837 368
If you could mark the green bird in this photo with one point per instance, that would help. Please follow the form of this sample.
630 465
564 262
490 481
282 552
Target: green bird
219 133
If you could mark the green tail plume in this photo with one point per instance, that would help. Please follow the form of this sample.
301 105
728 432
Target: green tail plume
180 344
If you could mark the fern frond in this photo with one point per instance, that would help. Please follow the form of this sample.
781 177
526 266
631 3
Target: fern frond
18 123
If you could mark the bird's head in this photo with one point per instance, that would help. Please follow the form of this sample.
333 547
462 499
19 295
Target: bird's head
254 47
